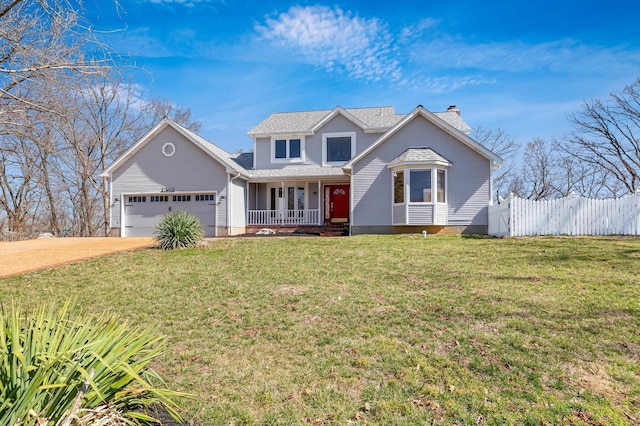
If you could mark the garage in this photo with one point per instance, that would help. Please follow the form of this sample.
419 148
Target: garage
142 212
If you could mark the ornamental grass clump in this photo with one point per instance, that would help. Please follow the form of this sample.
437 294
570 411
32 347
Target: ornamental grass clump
59 369
178 230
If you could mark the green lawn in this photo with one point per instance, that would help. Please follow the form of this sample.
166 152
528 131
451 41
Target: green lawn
381 329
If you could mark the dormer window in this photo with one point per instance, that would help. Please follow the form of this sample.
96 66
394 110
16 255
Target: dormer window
287 150
338 148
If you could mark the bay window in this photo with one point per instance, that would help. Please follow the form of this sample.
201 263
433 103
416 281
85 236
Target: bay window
418 184
419 195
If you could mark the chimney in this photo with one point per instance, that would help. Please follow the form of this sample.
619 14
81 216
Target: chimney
454 109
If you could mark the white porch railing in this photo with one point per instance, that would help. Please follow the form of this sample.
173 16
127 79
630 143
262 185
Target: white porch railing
284 217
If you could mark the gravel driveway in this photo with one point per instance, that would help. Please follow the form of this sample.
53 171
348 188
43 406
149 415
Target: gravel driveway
25 256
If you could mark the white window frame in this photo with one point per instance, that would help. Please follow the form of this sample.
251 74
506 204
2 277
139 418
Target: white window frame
408 180
283 205
287 159
407 184
325 136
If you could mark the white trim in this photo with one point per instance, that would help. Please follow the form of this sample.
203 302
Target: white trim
123 206
170 145
407 191
325 136
491 185
333 113
320 203
122 216
151 134
351 203
288 158
495 159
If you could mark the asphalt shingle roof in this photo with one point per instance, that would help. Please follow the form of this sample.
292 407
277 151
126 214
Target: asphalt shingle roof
230 160
381 118
417 155
373 118
297 172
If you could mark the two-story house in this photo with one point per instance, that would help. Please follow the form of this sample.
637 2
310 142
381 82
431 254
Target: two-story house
369 168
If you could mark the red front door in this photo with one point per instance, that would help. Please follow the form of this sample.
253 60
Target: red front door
336 203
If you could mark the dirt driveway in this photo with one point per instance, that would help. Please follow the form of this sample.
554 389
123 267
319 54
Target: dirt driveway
24 256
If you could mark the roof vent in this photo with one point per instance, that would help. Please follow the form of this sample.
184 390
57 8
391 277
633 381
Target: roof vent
454 109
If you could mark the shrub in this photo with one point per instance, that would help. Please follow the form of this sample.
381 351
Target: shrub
178 230
55 367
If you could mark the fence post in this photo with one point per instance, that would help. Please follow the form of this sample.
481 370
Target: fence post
511 207
637 212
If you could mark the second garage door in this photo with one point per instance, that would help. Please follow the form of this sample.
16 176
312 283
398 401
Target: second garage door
144 211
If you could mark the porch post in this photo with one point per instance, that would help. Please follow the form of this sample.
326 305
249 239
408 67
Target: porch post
281 202
319 203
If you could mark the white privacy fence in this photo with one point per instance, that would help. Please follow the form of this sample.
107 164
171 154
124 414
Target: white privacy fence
573 215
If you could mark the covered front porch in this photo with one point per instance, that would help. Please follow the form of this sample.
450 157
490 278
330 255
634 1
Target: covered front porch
292 203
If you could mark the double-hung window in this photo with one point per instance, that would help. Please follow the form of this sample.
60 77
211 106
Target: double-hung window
420 186
287 150
338 148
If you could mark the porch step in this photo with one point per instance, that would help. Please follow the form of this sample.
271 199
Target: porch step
334 230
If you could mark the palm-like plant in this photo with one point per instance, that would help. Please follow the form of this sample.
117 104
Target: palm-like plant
58 369
178 230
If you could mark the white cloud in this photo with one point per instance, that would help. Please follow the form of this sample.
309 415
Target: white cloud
517 56
335 40
185 3
138 42
447 83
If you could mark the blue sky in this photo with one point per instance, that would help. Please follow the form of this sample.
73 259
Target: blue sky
520 66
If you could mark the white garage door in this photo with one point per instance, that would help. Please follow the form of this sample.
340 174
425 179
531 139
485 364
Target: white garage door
143 212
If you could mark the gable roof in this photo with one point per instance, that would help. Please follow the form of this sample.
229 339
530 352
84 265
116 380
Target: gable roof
231 162
371 120
496 161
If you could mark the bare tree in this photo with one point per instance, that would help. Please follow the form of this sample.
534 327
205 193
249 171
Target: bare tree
104 121
18 183
157 109
580 178
47 51
41 41
606 136
507 147
538 177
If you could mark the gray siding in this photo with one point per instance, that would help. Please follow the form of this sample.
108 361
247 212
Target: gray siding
313 145
468 178
420 214
440 214
238 206
149 171
399 214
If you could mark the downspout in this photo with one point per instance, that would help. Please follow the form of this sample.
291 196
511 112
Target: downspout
229 191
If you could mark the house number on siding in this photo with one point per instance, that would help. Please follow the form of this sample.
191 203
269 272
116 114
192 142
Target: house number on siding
168 189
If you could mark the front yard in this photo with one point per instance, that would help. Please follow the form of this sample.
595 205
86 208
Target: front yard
380 329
